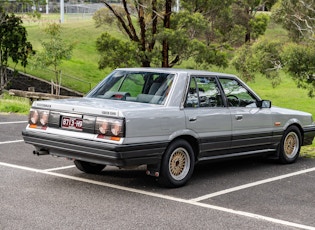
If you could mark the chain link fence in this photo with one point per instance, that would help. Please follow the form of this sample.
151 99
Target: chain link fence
70 7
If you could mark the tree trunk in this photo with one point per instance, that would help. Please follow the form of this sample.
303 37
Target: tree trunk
165 45
247 37
143 39
146 63
3 77
248 13
154 25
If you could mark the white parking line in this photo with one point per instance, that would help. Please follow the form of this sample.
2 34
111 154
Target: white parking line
10 142
12 122
60 168
156 195
234 189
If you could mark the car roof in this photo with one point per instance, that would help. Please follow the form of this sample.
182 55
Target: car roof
175 70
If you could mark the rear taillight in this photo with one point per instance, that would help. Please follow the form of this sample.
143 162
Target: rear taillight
109 128
38 118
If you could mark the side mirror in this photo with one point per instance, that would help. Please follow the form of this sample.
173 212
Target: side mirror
264 104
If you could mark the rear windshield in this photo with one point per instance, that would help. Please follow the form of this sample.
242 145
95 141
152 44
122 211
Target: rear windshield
143 87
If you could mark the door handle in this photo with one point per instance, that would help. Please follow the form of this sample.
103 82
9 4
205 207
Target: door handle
239 117
192 118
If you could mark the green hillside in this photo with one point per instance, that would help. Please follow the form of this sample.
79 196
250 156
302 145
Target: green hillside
83 66
81 71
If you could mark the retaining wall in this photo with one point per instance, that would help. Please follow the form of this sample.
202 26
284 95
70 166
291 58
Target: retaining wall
22 81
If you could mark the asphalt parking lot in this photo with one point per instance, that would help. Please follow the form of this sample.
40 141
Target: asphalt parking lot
50 193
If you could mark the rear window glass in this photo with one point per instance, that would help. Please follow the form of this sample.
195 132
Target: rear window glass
143 87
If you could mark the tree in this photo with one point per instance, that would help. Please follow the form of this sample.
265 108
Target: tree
263 56
299 62
218 16
244 63
298 59
232 21
55 50
296 16
155 35
13 44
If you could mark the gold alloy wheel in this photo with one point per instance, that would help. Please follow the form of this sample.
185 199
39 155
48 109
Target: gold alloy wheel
291 145
179 164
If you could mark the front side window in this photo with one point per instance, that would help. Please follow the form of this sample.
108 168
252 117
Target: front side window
143 87
236 94
203 92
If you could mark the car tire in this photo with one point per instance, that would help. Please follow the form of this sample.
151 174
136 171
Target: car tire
290 145
89 167
177 164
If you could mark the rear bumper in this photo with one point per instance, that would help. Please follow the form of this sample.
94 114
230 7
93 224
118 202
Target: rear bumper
94 151
309 134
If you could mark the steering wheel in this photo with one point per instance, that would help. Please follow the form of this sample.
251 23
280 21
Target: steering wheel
234 101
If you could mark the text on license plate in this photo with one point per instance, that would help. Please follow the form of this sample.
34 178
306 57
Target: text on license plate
71 123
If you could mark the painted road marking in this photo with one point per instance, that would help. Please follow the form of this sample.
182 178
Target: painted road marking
234 189
10 142
12 122
59 168
156 195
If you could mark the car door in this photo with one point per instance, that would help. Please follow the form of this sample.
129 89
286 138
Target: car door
207 116
252 127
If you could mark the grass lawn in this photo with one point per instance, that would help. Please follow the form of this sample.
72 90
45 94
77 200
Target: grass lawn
83 65
12 104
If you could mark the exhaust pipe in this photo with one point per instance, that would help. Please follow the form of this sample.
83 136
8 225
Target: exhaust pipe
40 152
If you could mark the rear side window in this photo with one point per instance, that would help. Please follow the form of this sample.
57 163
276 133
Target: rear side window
203 92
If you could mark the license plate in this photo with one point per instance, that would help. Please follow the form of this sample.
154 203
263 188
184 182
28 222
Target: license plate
71 123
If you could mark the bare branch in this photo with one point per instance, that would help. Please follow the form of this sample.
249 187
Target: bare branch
174 61
277 66
130 24
308 6
154 10
304 23
121 20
